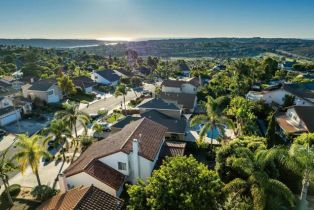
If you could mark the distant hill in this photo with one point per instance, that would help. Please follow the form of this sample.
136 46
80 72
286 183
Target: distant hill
210 47
51 43
198 47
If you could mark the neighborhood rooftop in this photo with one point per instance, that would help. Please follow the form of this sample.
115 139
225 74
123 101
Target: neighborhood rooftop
157 103
108 74
149 133
42 85
82 198
186 100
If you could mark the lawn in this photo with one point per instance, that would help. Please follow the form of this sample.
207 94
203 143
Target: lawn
79 97
114 117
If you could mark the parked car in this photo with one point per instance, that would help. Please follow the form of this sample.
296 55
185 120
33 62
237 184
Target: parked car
106 127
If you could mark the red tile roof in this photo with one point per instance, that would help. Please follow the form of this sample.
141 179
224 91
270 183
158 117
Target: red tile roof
105 174
83 198
149 133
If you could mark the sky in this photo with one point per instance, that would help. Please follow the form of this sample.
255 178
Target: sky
141 19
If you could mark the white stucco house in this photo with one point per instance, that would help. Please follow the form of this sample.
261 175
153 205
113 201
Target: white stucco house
46 90
105 77
303 93
127 155
8 113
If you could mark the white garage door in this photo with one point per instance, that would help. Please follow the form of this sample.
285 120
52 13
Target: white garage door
8 119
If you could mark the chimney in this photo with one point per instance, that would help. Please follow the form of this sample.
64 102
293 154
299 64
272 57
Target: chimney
62 183
32 80
135 147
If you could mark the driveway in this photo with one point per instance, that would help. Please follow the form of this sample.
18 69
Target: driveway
29 126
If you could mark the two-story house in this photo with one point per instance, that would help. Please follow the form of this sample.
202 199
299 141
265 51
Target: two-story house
8 113
297 120
46 90
105 77
181 92
127 155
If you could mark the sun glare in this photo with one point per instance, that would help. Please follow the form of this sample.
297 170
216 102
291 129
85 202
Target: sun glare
115 38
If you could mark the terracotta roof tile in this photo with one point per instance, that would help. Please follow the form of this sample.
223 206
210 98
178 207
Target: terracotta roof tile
83 198
149 133
105 174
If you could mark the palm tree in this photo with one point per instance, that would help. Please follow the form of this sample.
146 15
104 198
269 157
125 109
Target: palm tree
73 116
121 90
250 177
212 120
300 159
60 132
6 166
30 150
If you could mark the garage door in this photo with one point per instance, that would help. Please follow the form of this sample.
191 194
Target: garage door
8 119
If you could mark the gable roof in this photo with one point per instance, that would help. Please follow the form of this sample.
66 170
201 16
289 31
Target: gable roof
42 85
302 90
306 114
157 103
179 83
83 82
105 174
185 99
150 134
109 75
125 121
83 198
173 125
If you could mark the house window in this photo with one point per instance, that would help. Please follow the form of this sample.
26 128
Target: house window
50 92
121 166
96 77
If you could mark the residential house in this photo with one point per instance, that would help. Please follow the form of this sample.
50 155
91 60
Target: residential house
105 77
187 102
166 108
176 127
180 86
297 120
8 113
85 84
24 104
303 93
46 90
127 155
82 198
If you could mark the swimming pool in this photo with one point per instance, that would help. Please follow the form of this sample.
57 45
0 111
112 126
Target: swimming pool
214 135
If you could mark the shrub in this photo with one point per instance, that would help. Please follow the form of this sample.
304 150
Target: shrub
14 190
43 192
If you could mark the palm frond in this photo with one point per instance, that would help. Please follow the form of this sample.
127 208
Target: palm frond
197 119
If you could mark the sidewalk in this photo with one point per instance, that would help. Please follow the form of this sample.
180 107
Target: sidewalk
47 175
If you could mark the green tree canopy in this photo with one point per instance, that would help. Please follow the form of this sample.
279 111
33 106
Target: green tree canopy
180 183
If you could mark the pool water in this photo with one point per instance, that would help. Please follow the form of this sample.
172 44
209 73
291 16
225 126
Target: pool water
214 135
